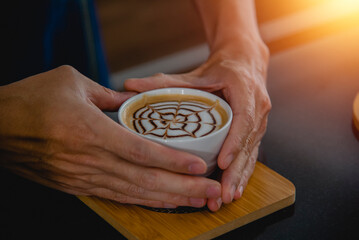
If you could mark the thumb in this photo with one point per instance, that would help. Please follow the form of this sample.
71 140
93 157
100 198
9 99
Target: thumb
107 99
156 81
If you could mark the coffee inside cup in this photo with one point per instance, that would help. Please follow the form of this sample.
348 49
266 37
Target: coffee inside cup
174 116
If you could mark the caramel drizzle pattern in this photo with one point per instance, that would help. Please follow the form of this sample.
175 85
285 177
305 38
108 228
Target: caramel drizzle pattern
170 106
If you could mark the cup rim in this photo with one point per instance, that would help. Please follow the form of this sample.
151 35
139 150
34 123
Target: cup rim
178 91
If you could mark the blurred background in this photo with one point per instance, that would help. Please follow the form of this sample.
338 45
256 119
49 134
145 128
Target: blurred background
145 37
313 77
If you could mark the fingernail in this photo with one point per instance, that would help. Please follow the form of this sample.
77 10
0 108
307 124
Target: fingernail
240 189
233 189
197 168
197 202
219 202
169 205
213 192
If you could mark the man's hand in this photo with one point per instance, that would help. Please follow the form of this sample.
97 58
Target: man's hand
241 80
52 131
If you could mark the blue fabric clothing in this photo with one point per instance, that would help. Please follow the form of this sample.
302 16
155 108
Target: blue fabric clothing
44 34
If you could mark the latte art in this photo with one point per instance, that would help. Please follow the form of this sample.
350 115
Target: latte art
184 119
177 119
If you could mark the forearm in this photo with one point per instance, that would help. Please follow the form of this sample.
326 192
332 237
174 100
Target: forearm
231 24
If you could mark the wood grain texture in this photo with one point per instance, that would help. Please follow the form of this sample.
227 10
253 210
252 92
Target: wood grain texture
267 192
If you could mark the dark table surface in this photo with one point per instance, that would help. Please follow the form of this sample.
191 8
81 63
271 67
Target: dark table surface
310 141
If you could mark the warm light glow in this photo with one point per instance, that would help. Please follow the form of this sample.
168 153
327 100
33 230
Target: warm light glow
320 14
344 6
349 2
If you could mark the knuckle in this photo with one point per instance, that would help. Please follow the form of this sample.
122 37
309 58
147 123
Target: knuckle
248 142
248 118
245 175
112 195
243 144
162 79
66 67
68 71
160 75
244 179
89 161
267 106
83 133
139 154
246 151
119 197
177 199
175 165
109 92
268 103
191 189
237 141
233 177
149 180
92 179
265 51
252 161
135 190
265 103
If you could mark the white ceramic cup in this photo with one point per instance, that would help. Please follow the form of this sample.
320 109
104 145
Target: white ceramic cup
206 147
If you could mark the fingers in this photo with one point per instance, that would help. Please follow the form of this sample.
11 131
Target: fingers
140 169
131 147
129 182
156 81
122 198
240 149
214 204
158 180
246 174
235 178
250 113
107 99
136 149
160 80
245 132
126 192
83 180
237 140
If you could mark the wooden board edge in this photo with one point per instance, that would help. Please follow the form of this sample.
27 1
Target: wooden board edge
356 112
287 181
107 217
216 232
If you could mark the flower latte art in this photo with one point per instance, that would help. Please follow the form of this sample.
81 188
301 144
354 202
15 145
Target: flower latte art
181 117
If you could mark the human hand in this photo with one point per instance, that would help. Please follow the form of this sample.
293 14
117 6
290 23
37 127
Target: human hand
52 131
239 78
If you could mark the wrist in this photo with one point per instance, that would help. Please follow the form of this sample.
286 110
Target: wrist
242 46
250 60
245 51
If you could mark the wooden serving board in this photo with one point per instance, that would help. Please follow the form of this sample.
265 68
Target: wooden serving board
267 192
356 112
